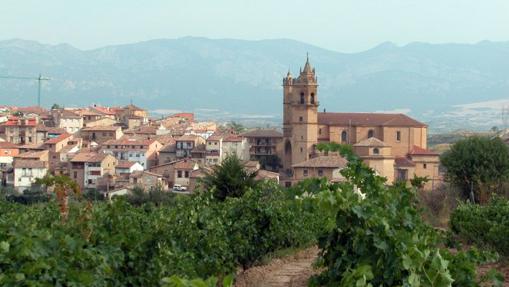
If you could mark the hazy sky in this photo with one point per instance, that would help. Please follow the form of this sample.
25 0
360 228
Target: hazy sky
342 25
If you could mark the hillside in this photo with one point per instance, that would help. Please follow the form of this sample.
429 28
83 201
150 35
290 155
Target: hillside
231 78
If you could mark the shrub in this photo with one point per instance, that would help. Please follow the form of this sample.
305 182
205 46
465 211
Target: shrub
486 226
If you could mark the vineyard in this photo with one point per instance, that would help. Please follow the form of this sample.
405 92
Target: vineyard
369 234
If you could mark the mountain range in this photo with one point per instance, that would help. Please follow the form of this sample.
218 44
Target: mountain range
240 79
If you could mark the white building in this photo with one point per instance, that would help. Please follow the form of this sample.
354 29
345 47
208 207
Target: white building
234 144
67 120
26 171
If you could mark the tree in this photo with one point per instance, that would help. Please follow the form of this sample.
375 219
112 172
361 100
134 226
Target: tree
478 165
230 179
235 127
61 185
55 107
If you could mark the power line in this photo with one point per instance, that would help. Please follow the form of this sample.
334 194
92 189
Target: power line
38 79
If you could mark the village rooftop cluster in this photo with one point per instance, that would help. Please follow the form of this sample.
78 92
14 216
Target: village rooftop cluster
114 149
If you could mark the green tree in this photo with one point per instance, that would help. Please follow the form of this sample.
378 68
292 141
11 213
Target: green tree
55 107
235 127
478 165
62 185
229 179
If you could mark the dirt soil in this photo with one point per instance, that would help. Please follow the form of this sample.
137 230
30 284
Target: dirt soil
291 271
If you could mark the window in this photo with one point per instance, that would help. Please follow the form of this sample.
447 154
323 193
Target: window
319 131
301 150
371 133
376 151
320 172
302 98
90 181
179 174
301 119
75 174
305 172
186 174
312 98
398 136
344 136
424 166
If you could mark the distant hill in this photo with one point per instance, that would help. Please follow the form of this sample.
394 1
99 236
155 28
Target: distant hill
243 78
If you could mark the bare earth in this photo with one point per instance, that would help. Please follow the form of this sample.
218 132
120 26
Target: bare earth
290 271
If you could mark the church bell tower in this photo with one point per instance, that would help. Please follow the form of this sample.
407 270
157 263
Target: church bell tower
300 116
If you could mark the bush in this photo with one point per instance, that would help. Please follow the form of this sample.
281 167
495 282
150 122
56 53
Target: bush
486 226
379 238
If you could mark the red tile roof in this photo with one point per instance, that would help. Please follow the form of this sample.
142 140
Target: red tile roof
421 151
185 164
29 163
372 142
58 138
403 162
264 133
368 119
8 145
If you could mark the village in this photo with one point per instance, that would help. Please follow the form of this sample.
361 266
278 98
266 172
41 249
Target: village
114 149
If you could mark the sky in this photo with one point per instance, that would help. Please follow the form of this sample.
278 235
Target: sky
340 25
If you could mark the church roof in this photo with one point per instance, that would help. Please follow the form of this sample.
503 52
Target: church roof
368 119
331 161
416 150
372 142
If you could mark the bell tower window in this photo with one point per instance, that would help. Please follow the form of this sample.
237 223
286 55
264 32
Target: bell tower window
371 133
302 100
313 98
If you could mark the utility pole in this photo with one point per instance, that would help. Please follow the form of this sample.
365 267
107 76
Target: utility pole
38 79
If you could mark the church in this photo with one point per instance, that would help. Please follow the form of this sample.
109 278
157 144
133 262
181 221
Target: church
394 145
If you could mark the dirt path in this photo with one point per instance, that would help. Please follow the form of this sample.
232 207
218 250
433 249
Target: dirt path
290 271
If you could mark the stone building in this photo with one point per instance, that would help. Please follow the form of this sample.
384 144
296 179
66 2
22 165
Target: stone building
394 145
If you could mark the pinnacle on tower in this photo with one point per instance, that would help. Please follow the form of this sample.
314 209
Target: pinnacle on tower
307 66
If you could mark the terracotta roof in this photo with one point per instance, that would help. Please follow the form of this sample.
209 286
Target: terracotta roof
8 145
101 128
265 133
232 138
38 146
421 151
105 110
403 162
368 119
169 148
58 138
32 109
332 161
129 141
372 142
265 174
28 163
89 157
68 114
185 164
187 138
197 173
125 164
32 154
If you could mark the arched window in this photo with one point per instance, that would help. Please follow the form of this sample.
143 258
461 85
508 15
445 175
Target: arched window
376 151
302 100
312 98
371 133
344 137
